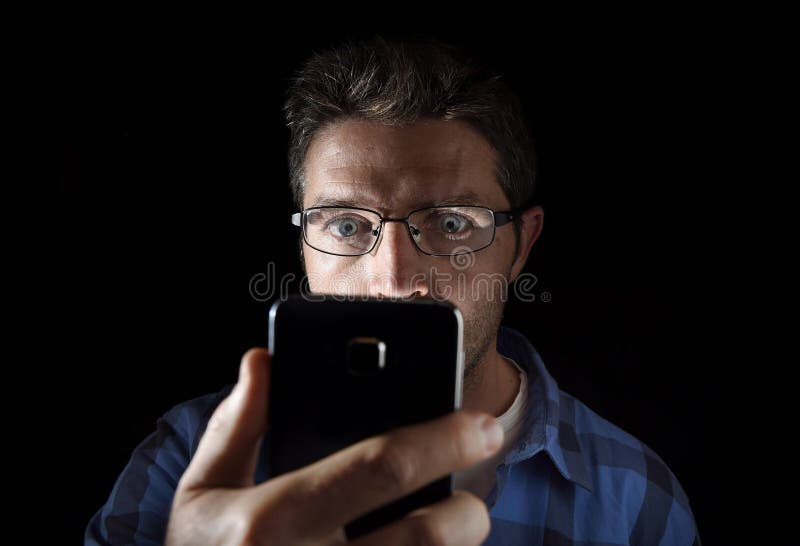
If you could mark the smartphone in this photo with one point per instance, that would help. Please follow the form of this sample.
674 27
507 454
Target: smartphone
343 371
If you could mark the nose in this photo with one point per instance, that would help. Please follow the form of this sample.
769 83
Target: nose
396 267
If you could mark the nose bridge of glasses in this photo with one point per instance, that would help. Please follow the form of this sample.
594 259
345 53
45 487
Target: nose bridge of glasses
404 226
407 221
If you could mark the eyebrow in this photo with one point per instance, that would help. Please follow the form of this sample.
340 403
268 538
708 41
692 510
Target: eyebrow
464 198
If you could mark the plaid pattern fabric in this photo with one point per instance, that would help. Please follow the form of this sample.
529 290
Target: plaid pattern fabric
572 479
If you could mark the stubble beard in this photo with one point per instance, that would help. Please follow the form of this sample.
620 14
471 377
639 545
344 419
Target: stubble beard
480 330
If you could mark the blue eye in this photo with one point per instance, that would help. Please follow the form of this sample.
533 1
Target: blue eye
345 227
452 223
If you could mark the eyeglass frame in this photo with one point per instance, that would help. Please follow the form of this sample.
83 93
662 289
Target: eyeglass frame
500 218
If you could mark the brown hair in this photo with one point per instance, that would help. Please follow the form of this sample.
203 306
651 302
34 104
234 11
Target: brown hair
397 83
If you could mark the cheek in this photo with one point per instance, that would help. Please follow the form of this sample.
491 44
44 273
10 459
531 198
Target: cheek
319 268
330 274
503 247
470 280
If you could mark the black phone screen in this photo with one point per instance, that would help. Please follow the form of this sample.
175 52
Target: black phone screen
343 371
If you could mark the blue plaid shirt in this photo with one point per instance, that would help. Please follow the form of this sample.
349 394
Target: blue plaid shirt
573 477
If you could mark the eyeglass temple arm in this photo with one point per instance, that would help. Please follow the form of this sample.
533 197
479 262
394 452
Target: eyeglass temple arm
296 218
502 218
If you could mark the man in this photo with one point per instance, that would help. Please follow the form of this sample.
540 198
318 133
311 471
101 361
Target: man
407 132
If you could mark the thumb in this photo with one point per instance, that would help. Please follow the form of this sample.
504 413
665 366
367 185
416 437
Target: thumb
228 451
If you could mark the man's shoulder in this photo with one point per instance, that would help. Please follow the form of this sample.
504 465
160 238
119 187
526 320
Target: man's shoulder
628 470
592 428
189 418
606 444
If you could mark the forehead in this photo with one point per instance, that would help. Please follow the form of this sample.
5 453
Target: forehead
367 163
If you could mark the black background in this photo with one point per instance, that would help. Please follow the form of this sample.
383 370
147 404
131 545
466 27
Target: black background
172 194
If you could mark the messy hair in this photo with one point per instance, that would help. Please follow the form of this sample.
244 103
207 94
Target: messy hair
398 83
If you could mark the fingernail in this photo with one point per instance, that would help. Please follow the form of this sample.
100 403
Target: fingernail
492 433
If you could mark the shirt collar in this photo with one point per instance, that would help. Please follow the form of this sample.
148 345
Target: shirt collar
549 422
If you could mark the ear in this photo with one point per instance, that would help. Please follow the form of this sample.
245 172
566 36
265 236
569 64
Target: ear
530 228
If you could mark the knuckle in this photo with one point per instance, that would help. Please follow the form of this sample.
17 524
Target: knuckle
463 446
390 464
465 441
263 523
476 507
243 533
475 511
423 530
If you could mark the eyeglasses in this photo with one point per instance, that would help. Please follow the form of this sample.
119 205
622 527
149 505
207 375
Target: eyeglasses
436 231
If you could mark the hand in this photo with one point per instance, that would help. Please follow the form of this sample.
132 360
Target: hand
216 501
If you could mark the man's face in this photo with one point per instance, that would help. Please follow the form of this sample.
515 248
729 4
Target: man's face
394 171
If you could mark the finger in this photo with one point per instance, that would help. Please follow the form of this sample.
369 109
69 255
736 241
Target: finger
459 520
371 473
228 451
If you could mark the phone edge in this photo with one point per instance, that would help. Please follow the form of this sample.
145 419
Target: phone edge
459 359
273 311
